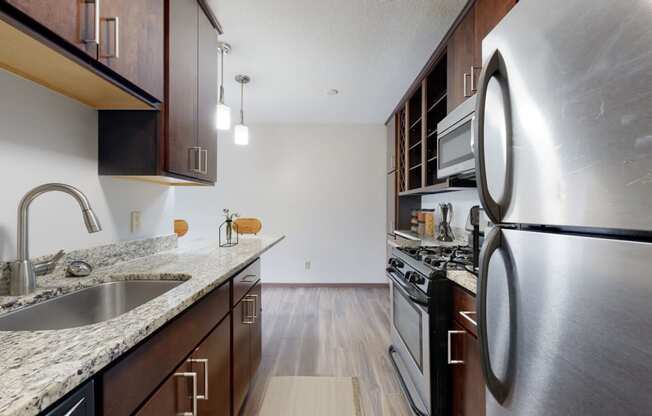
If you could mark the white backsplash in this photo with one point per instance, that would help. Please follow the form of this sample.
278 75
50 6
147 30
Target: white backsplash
462 202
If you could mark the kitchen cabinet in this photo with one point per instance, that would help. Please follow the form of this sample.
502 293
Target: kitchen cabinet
178 145
488 13
211 362
247 344
468 387
73 20
175 396
460 53
391 204
131 41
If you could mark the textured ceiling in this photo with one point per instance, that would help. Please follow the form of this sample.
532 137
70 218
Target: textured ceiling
295 50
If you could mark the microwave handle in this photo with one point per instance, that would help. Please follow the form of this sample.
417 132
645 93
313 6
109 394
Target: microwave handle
495 68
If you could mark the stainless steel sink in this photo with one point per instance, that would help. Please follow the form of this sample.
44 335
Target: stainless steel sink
87 306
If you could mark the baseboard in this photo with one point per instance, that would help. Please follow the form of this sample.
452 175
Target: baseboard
327 285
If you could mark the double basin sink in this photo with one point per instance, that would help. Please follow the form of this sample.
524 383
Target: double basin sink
87 306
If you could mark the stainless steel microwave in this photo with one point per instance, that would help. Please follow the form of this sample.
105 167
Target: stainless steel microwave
455 141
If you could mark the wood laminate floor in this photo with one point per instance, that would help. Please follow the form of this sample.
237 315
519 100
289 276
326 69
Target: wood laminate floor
340 332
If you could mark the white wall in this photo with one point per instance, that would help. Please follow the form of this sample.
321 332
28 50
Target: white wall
45 137
462 202
323 186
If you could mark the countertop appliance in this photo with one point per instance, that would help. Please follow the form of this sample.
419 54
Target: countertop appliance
563 156
420 312
455 141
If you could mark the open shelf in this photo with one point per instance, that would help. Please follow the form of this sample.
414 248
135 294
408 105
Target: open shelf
446 185
416 122
438 101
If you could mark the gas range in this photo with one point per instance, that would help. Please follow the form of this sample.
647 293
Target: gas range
432 261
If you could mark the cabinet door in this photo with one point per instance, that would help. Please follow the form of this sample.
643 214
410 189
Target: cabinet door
182 153
212 363
468 381
391 203
73 20
174 397
207 102
256 329
488 13
133 47
460 53
242 321
391 145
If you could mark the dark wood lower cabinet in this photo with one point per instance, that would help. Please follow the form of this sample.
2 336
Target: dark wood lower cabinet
174 397
468 389
247 344
213 343
211 362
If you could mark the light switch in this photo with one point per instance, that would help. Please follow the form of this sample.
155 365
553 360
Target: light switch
135 221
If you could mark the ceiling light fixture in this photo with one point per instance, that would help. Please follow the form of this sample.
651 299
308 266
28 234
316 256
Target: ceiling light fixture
241 133
223 113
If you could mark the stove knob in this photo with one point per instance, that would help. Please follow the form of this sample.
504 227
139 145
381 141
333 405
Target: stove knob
418 279
396 263
408 276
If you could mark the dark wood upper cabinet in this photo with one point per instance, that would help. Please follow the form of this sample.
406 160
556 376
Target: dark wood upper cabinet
211 362
131 41
178 145
73 20
460 55
488 13
183 154
207 98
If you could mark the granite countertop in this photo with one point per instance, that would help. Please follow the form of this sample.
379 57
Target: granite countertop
39 367
465 279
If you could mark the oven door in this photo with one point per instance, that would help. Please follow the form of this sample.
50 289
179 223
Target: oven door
410 342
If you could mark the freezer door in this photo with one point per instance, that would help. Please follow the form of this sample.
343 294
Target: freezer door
565 325
563 116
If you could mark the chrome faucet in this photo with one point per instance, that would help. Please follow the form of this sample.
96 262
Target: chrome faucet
23 271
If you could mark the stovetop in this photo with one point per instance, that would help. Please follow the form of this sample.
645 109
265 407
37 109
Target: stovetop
439 258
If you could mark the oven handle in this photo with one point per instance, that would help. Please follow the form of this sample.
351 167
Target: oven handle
410 292
404 388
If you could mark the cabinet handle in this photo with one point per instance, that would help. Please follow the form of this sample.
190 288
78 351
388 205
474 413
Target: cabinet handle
194 159
72 409
255 314
466 93
116 37
193 376
450 353
203 361
246 318
466 315
96 23
245 279
474 88
204 156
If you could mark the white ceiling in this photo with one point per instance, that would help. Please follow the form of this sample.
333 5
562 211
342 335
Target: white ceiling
295 50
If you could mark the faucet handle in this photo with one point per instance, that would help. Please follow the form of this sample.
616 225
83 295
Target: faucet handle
48 266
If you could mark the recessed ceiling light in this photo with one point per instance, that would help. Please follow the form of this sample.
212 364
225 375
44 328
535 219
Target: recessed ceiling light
332 91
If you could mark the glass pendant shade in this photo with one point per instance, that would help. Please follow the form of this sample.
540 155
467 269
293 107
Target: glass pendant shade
241 135
223 117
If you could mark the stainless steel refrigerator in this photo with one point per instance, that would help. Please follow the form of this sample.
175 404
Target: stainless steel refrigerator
563 142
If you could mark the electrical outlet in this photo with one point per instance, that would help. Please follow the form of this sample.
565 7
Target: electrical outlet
308 264
135 221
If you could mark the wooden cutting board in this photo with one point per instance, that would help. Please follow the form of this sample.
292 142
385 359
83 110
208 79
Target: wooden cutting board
247 225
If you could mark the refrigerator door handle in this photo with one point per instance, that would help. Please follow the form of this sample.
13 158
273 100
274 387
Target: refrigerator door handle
494 68
499 389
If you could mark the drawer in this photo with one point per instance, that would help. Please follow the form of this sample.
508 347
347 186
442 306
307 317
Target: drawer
138 373
79 403
464 310
245 280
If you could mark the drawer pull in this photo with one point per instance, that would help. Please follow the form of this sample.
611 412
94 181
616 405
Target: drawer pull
255 299
193 376
250 278
247 319
466 315
71 412
194 159
450 353
203 361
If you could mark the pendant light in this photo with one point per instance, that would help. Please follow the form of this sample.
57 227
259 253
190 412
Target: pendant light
223 114
241 132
